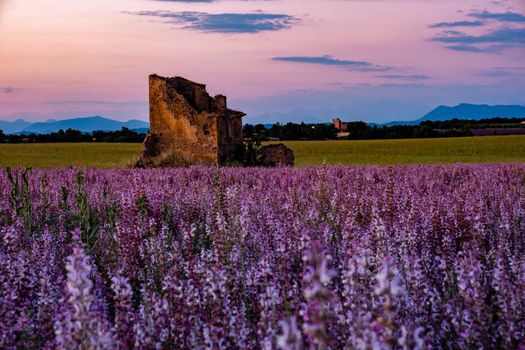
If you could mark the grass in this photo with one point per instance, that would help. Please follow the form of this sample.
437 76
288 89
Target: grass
493 149
54 155
487 149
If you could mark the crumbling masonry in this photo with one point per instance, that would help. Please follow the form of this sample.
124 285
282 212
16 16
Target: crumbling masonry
188 126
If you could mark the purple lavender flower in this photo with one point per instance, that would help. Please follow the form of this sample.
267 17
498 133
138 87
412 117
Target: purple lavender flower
79 326
405 257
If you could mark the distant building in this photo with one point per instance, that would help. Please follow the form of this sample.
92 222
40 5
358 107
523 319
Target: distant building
339 125
344 126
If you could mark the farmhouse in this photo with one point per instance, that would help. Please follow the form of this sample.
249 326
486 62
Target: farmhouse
188 126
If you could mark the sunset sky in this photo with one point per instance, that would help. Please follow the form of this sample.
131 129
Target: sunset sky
277 60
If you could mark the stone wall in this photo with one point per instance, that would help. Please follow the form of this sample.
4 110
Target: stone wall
189 125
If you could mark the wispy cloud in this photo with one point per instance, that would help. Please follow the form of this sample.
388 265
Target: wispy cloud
505 32
480 49
501 17
202 1
500 73
224 22
493 41
495 74
96 102
504 35
7 90
187 0
515 68
457 24
405 77
327 60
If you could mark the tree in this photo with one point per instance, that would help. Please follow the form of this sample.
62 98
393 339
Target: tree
248 131
291 131
358 130
320 131
259 129
275 130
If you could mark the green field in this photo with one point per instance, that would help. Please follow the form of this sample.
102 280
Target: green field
493 149
53 155
487 149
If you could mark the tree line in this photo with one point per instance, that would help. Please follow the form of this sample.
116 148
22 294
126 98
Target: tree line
291 131
70 135
358 130
363 131
428 129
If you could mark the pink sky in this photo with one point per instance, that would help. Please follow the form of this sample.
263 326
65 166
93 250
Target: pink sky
77 58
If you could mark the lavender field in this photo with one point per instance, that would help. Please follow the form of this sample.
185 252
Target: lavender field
406 257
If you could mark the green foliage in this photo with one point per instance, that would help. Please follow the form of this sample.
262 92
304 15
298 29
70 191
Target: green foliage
169 224
200 239
482 123
64 205
13 195
363 131
111 211
487 149
291 131
20 197
56 155
166 160
248 130
247 153
44 199
142 204
71 135
427 129
87 219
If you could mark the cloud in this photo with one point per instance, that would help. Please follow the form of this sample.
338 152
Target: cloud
496 40
201 1
499 73
224 22
187 0
492 42
7 90
95 102
501 17
480 49
405 77
331 61
457 24
515 68
504 35
453 32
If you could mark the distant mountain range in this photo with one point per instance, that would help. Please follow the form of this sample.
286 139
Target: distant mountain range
13 127
87 124
90 124
467 111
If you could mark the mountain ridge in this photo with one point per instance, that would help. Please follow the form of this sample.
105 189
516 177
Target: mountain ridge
83 124
96 123
466 111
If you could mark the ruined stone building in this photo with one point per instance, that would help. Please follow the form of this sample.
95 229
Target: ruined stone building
339 125
189 125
